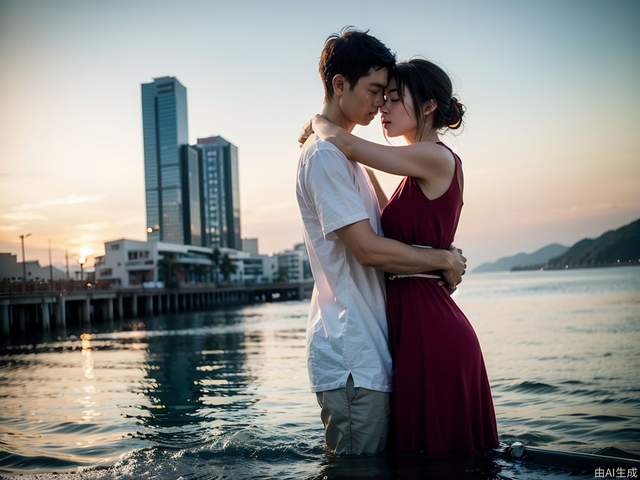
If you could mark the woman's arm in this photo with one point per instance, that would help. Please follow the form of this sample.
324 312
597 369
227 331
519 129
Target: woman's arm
423 160
382 197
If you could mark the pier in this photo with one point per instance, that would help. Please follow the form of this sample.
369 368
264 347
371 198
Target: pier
26 311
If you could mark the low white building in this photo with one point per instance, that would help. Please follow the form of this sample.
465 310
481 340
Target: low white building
250 268
11 269
135 263
306 265
126 263
293 265
259 269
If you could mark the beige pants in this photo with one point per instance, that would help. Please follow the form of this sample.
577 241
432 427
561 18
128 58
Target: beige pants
356 420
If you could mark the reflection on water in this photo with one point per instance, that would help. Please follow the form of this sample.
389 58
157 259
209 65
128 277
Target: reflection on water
225 394
196 385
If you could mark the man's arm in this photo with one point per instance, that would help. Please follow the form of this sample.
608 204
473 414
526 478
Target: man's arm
397 257
343 215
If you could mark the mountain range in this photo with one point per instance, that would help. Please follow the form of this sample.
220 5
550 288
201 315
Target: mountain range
615 247
505 264
612 248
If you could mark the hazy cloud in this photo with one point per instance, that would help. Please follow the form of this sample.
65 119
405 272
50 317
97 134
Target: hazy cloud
67 200
22 216
92 227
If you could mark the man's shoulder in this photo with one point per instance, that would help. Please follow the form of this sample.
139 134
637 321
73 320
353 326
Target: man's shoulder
316 149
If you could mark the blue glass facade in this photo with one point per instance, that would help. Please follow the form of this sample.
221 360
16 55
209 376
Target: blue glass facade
191 191
165 130
220 192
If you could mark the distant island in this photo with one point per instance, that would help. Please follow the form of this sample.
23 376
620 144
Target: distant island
613 248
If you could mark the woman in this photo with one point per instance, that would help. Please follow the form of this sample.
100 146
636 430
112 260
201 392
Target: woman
442 403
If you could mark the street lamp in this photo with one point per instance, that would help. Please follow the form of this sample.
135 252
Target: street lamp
155 228
24 262
82 261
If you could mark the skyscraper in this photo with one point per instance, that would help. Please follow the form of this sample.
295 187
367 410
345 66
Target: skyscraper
165 130
191 195
220 193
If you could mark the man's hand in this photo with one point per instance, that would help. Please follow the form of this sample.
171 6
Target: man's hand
306 132
453 275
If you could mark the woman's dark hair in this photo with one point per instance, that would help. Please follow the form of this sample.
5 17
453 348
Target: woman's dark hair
352 53
426 81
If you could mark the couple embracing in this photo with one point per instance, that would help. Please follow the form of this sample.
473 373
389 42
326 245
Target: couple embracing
392 359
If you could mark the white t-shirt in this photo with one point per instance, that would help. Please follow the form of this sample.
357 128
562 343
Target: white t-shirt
347 326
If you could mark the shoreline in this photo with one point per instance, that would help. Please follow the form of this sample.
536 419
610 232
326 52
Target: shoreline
571 267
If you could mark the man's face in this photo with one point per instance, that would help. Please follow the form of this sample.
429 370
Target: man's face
361 104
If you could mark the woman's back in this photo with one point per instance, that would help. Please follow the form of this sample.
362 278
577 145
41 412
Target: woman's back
410 217
442 401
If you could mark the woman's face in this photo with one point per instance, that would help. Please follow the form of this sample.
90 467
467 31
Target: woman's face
398 118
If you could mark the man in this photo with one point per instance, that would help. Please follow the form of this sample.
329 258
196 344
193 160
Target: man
347 346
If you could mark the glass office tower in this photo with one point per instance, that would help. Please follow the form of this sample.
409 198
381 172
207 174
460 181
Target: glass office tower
165 130
191 191
220 193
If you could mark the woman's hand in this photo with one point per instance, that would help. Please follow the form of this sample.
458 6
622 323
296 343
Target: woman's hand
324 128
306 132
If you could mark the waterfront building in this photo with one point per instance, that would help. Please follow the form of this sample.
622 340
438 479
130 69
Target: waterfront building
289 266
220 192
293 264
136 263
306 264
165 131
259 268
11 270
192 186
250 245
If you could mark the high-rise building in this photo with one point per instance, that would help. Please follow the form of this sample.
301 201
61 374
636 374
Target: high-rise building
191 195
220 192
165 130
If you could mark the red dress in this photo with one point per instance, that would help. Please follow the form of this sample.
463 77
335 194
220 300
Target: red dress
441 402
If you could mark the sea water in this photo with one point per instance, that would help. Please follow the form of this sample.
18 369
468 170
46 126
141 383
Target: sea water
225 394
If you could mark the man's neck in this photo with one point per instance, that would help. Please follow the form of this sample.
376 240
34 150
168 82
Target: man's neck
332 111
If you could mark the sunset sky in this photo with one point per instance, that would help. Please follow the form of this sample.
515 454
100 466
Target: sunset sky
550 146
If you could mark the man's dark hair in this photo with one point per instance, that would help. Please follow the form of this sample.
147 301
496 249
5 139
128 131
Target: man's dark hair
352 53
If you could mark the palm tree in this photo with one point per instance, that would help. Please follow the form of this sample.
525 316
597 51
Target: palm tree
227 267
215 263
167 269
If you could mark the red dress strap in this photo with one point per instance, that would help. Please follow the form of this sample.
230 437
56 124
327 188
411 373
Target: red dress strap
457 170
